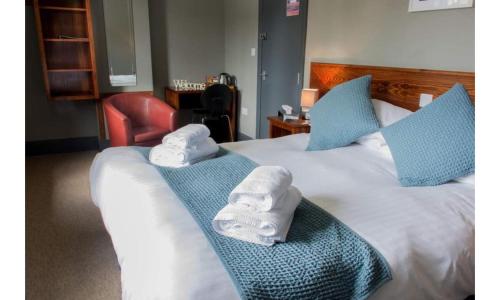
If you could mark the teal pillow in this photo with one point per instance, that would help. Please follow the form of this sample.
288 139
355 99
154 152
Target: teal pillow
343 115
435 144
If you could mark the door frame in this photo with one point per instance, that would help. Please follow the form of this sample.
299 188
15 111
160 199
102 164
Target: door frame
304 10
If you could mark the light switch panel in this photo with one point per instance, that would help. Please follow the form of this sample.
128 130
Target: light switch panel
244 111
252 51
425 99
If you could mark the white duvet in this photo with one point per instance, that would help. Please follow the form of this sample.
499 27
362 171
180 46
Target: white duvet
426 234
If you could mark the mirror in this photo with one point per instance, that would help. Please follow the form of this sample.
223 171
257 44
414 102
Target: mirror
120 43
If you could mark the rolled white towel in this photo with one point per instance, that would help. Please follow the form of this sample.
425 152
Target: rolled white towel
187 136
172 156
262 188
264 228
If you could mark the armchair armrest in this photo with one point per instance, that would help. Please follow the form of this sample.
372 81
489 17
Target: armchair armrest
162 115
119 126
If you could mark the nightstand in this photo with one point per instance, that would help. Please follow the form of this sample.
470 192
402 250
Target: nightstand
278 127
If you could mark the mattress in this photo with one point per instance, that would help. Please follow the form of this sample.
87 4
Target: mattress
426 234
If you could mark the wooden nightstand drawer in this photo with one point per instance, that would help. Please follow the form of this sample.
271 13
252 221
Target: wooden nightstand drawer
278 127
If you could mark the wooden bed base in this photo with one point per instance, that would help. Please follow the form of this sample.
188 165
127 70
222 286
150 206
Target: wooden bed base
399 86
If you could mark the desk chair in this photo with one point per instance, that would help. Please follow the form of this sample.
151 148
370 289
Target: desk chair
216 103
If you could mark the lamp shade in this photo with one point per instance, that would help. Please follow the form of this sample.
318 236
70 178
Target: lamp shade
309 97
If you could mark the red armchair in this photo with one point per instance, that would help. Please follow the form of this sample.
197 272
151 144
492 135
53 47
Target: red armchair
138 119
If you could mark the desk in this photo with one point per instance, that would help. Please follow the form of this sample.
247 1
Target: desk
190 99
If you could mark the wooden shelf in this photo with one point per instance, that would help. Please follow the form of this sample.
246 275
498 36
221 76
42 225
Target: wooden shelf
63 3
73 97
68 56
68 63
55 23
70 70
61 8
75 40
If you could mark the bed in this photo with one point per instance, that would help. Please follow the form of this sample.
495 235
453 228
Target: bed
426 234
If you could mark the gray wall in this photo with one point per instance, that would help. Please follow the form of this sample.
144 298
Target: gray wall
384 33
187 40
241 33
191 39
47 120
50 120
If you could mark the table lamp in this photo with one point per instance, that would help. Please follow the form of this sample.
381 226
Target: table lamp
307 100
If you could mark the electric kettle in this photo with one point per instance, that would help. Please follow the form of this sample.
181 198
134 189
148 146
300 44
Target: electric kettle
225 78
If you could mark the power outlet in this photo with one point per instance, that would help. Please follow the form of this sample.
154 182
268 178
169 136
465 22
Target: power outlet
244 111
425 99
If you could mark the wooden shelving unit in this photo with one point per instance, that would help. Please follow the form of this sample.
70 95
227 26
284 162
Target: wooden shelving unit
66 41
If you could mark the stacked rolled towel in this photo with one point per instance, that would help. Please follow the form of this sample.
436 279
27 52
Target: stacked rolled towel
184 147
260 208
189 135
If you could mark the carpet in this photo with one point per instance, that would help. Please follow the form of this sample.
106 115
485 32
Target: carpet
69 254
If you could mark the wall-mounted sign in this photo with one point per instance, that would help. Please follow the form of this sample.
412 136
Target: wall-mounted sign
292 8
422 5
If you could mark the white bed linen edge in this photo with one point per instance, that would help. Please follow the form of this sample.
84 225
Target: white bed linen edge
426 234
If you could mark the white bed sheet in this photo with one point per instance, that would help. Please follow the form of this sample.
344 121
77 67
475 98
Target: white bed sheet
426 234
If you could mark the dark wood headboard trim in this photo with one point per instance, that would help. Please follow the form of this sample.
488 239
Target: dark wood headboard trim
399 86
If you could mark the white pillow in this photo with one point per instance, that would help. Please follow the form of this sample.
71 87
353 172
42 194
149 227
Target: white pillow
376 142
388 114
373 140
470 179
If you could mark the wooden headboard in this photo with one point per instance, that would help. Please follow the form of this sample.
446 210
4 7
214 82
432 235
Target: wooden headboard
399 86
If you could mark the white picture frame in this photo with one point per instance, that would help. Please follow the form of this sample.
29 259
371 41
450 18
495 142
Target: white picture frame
425 5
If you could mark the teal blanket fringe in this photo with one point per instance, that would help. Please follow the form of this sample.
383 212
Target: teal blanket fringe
321 258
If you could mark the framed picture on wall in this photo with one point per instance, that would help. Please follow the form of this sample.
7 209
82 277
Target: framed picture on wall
292 8
423 5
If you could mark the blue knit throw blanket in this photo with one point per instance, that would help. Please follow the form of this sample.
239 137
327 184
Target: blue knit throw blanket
321 258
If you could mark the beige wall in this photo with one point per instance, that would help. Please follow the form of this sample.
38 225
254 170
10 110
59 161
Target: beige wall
380 32
384 33
241 32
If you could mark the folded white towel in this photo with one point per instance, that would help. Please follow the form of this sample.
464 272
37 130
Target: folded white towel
262 188
187 136
264 228
165 162
182 155
166 155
